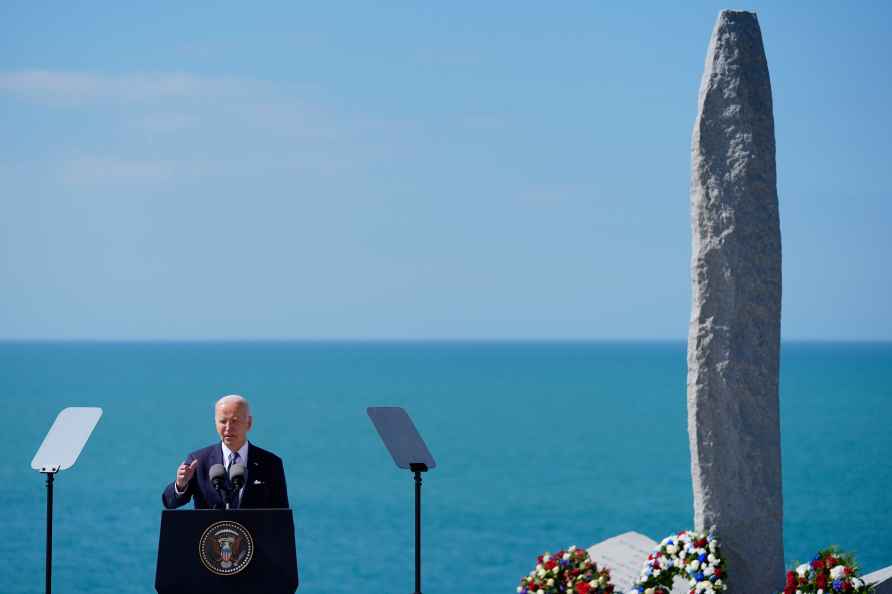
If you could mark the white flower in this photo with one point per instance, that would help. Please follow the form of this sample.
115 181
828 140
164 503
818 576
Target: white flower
672 549
541 572
546 558
709 570
550 582
695 565
540 591
572 548
820 591
857 583
838 572
519 589
802 570
566 556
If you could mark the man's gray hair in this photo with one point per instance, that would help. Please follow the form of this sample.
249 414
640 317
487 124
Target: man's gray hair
234 399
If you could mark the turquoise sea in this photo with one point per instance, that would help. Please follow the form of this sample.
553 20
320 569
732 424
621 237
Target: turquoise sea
539 446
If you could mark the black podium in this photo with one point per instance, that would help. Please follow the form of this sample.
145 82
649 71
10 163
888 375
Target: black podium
243 551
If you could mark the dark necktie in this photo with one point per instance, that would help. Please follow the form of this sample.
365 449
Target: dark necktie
233 459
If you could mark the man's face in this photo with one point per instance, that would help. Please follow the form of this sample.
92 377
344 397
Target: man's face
233 424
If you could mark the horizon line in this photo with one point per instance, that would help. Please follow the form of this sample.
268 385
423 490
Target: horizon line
355 340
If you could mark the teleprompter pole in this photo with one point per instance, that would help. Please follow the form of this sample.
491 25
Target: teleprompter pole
418 468
49 532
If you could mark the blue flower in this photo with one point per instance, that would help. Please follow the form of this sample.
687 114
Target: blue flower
699 576
702 557
837 585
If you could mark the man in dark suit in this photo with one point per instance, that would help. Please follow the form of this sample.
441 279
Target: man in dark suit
264 475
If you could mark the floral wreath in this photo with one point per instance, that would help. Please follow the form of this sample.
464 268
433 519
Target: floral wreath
693 555
830 571
566 572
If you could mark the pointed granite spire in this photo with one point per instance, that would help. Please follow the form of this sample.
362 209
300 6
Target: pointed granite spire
734 335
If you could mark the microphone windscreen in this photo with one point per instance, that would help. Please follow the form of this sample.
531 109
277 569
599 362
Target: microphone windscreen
237 475
217 473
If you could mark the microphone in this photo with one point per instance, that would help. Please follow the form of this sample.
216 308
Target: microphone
237 476
217 474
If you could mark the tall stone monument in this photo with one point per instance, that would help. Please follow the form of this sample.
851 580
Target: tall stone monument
734 335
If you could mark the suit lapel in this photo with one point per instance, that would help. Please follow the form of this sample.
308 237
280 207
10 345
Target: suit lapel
251 471
216 456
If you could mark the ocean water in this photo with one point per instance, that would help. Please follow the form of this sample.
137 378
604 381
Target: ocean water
539 446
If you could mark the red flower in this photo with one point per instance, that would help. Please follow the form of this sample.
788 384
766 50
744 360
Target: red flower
848 570
830 561
550 564
817 564
718 572
582 588
821 581
791 579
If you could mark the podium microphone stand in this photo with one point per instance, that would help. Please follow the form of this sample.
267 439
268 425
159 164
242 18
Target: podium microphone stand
59 451
409 452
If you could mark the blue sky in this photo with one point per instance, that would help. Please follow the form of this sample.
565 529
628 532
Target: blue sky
410 170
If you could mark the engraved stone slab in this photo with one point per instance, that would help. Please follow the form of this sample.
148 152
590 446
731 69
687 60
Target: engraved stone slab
624 555
734 334
881 579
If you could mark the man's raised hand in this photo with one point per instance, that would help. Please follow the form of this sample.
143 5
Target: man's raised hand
184 474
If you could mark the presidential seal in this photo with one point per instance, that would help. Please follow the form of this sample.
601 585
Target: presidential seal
226 548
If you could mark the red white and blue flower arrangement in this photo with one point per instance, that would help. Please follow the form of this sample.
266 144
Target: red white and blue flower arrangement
695 556
566 572
830 572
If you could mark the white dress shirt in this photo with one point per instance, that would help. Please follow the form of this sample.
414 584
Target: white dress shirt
242 459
